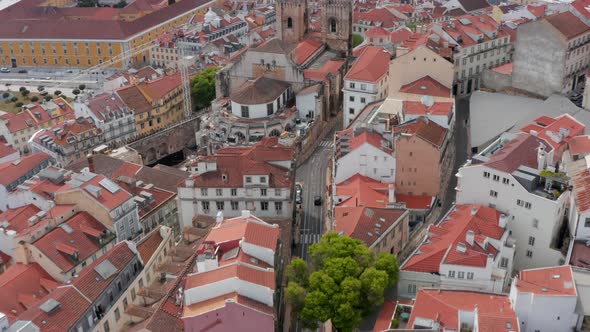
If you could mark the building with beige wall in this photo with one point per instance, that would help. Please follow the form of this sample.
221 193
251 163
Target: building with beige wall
420 146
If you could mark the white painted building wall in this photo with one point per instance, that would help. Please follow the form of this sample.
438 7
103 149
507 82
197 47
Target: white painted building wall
250 290
540 221
358 94
366 160
544 313
307 104
10 157
264 254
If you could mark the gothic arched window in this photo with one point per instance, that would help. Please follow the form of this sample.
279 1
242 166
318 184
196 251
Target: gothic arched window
289 23
333 25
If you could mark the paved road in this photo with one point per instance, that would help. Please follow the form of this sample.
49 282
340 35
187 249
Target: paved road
312 175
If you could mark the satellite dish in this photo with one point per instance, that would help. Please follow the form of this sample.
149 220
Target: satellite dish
427 101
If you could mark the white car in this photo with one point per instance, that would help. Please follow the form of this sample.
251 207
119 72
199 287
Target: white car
4 70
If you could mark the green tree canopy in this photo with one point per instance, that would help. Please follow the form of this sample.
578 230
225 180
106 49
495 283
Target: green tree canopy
203 87
344 281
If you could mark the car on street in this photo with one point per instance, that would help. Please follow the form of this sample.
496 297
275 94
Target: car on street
317 200
4 70
22 71
298 193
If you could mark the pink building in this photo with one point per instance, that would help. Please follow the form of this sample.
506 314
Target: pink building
419 147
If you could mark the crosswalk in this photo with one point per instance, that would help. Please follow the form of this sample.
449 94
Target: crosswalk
326 144
310 238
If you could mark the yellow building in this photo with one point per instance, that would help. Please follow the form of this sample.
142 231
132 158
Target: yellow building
156 104
86 37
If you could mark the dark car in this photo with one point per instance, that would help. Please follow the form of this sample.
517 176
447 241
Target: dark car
298 193
317 200
22 71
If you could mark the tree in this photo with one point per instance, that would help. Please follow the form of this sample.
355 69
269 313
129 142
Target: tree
13 99
57 92
25 93
22 88
343 283
81 87
5 95
357 40
203 88
76 92
40 88
48 98
19 104
120 4
34 98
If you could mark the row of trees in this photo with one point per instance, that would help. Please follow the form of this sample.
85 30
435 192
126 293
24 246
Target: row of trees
343 283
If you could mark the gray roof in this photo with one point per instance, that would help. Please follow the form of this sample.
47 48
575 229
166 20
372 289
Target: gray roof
276 46
259 91
492 114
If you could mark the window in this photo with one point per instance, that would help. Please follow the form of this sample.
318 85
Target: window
125 304
363 100
470 275
527 205
279 206
264 206
461 275
234 192
352 85
536 223
117 314
505 181
351 98
493 193
262 179
486 174
234 205
219 205
351 110
587 222
106 326
496 177
289 23
363 87
203 191
531 240
269 109
245 112
218 192
248 179
504 262
205 206
262 192
412 289
451 274
277 191
529 254
519 202
333 25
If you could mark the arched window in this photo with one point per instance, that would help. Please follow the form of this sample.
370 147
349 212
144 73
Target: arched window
333 25
289 23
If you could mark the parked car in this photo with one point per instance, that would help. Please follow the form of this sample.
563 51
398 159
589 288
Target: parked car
298 193
22 71
4 70
317 200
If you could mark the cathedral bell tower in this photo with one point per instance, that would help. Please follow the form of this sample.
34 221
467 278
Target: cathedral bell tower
336 18
292 19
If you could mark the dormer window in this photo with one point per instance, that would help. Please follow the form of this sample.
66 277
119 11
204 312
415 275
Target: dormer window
262 179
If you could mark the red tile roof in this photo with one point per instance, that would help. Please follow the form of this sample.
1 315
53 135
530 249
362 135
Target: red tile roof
6 150
60 245
415 202
579 145
367 224
91 284
250 229
558 280
385 316
437 108
134 99
245 272
305 49
568 24
580 6
21 287
521 151
234 163
426 86
377 32
371 65
539 10
106 104
424 128
505 69
12 171
358 137
18 218
149 244
160 88
494 312
556 131
400 35
330 67
444 237
377 17
107 199
39 113
580 179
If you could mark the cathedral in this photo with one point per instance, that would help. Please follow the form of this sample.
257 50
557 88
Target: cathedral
293 78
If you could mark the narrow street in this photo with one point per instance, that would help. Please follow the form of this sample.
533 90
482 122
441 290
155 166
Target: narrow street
311 175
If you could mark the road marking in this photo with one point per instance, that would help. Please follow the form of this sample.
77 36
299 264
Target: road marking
326 144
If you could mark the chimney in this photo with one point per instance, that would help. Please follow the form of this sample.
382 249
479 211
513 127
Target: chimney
90 159
461 248
541 157
391 193
470 237
219 218
503 220
246 213
473 211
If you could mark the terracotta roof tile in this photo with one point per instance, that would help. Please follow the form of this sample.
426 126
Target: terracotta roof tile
134 99
361 222
246 272
6 150
17 218
568 24
11 171
558 280
424 128
437 108
262 90
579 145
305 49
557 131
149 244
370 66
494 312
426 86
445 236
521 151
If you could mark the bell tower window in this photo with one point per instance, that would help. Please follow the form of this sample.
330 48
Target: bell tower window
333 25
289 23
